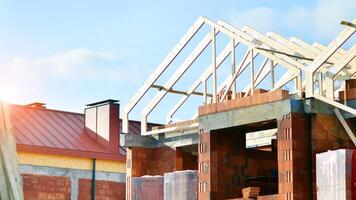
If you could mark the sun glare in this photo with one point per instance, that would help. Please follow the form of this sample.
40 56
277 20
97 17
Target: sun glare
7 95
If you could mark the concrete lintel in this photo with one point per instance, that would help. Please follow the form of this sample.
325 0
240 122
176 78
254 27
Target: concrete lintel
247 115
175 139
134 140
179 139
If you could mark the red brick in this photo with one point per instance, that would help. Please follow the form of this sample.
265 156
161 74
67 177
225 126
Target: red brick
350 84
259 91
104 190
350 94
46 187
207 109
273 197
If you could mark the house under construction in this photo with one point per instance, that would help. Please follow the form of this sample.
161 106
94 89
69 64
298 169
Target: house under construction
261 125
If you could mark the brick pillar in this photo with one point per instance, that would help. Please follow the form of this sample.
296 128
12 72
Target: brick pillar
294 157
207 167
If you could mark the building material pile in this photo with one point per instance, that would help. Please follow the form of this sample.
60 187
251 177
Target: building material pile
10 180
147 187
336 174
180 185
250 192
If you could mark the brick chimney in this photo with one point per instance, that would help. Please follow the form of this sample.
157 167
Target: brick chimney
102 123
37 105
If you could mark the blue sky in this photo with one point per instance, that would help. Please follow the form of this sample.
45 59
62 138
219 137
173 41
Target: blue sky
70 53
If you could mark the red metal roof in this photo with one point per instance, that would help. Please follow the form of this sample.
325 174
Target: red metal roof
58 132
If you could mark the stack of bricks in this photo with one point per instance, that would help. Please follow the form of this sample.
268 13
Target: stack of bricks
147 187
250 192
259 97
273 197
336 174
181 185
293 157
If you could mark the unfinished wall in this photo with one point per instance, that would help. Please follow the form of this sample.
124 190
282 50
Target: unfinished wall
186 160
293 140
153 161
226 166
37 187
328 134
41 181
103 190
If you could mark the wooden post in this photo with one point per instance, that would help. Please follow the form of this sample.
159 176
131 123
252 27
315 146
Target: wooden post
10 180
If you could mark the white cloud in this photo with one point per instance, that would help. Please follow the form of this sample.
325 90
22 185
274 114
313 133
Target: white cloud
81 64
23 77
321 21
262 18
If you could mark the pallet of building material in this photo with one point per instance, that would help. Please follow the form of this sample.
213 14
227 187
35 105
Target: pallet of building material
10 179
273 197
336 174
181 185
147 188
250 192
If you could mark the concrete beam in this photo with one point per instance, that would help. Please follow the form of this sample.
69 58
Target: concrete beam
134 140
179 139
312 105
247 115
175 139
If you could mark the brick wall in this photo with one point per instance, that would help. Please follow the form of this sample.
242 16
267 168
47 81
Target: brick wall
103 190
189 161
226 166
294 159
150 161
38 187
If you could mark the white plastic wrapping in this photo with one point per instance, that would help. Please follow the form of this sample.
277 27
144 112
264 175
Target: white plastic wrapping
147 188
181 185
333 174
